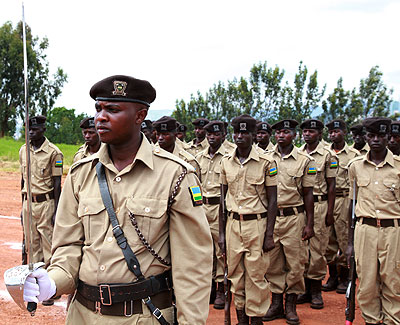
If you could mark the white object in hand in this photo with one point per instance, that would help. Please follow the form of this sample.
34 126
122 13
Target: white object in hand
39 286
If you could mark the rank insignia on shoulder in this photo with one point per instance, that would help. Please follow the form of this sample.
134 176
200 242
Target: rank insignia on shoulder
272 171
196 196
58 163
311 171
333 164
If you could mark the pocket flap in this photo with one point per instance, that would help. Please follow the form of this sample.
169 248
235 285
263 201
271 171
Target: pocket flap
90 206
147 207
363 181
391 183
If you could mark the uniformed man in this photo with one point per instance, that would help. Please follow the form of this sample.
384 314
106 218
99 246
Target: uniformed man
358 135
147 129
335 253
120 261
181 132
264 132
230 146
248 180
46 171
166 136
377 231
394 138
199 143
92 140
294 223
324 201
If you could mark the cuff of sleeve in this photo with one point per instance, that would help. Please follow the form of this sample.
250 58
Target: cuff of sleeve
64 283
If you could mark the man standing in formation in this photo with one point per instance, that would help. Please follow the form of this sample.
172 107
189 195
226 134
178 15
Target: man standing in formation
181 132
264 132
92 140
358 134
147 129
46 171
248 179
394 138
199 143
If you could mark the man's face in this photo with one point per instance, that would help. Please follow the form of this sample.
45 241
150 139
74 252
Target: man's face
118 122
91 137
336 135
311 135
284 137
200 132
394 142
377 141
166 140
243 140
181 136
214 139
36 132
263 137
359 139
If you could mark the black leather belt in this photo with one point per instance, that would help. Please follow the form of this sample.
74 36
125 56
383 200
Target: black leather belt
290 211
246 217
342 193
40 197
378 222
211 200
127 308
318 198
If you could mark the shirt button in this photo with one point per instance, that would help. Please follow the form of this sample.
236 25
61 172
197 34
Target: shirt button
147 209
86 209
240 193
241 166
378 211
279 195
102 267
240 207
210 172
117 179
376 168
109 239
208 182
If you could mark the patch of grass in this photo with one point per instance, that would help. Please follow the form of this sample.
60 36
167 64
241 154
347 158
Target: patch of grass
9 154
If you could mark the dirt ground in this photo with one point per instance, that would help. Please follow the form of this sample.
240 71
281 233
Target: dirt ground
10 256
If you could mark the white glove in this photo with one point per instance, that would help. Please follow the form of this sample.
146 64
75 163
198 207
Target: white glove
39 286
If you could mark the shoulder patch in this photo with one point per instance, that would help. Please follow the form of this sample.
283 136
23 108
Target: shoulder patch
195 194
58 163
334 164
354 160
273 171
311 171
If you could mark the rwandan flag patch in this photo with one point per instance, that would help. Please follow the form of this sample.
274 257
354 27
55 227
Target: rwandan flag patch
311 171
273 171
333 164
196 196
58 163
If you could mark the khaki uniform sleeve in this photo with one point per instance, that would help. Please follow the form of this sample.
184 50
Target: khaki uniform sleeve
67 241
310 171
191 256
57 164
271 174
352 177
222 175
331 166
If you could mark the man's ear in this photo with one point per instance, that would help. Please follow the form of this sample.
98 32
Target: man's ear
141 115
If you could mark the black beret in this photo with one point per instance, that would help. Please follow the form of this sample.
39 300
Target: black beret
285 124
214 126
264 126
312 124
87 123
200 122
357 129
244 123
181 127
336 124
165 124
121 88
37 121
377 124
146 124
395 128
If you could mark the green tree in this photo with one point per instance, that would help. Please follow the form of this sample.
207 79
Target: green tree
43 91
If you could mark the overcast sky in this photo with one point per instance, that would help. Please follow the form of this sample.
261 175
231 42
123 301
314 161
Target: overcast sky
185 46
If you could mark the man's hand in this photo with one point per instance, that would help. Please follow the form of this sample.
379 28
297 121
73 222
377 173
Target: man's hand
349 252
39 286
221 243
268 244
308 232
329 220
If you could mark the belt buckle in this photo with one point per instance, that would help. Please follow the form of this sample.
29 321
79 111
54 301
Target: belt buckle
206 200
98 307
101 294
125 314
281 212
378 223
241 217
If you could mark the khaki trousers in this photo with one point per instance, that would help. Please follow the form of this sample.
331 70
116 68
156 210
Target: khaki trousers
247 264
42 230
339 233
287 259
212 213
315 268
79 314
377 255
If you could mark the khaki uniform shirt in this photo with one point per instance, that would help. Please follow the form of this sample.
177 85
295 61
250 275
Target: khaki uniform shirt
194 149
327 166
82 152
246 182
46 162
295 171
269 147
377 186
84 246
229 146
190 159
181 144
363 150
344 156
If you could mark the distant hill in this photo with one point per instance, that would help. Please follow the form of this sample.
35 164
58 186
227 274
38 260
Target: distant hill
154 114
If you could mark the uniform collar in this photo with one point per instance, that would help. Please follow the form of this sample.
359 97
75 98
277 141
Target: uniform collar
44 147
254 154
389 159
293 153
319 149
346 149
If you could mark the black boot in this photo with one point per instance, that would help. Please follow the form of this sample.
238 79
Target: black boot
219 302
290 309
316 297
276 309
242 318
256 321
332 282
305 297
343 280
213 291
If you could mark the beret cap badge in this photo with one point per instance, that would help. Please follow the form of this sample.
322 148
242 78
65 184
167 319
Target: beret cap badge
216 127
336 124
119 88
395 128
382 128
242 126
286 124
313 124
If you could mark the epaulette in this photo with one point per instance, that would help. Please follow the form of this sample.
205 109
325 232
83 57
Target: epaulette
302 153
354 160
186 155
55 147
266 156
395 157
165 154
85 160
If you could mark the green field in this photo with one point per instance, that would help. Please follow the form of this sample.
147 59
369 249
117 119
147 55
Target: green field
9 149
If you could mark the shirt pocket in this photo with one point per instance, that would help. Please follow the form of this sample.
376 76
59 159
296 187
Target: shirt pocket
391 189
151 216
255 185
93 215
294 177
